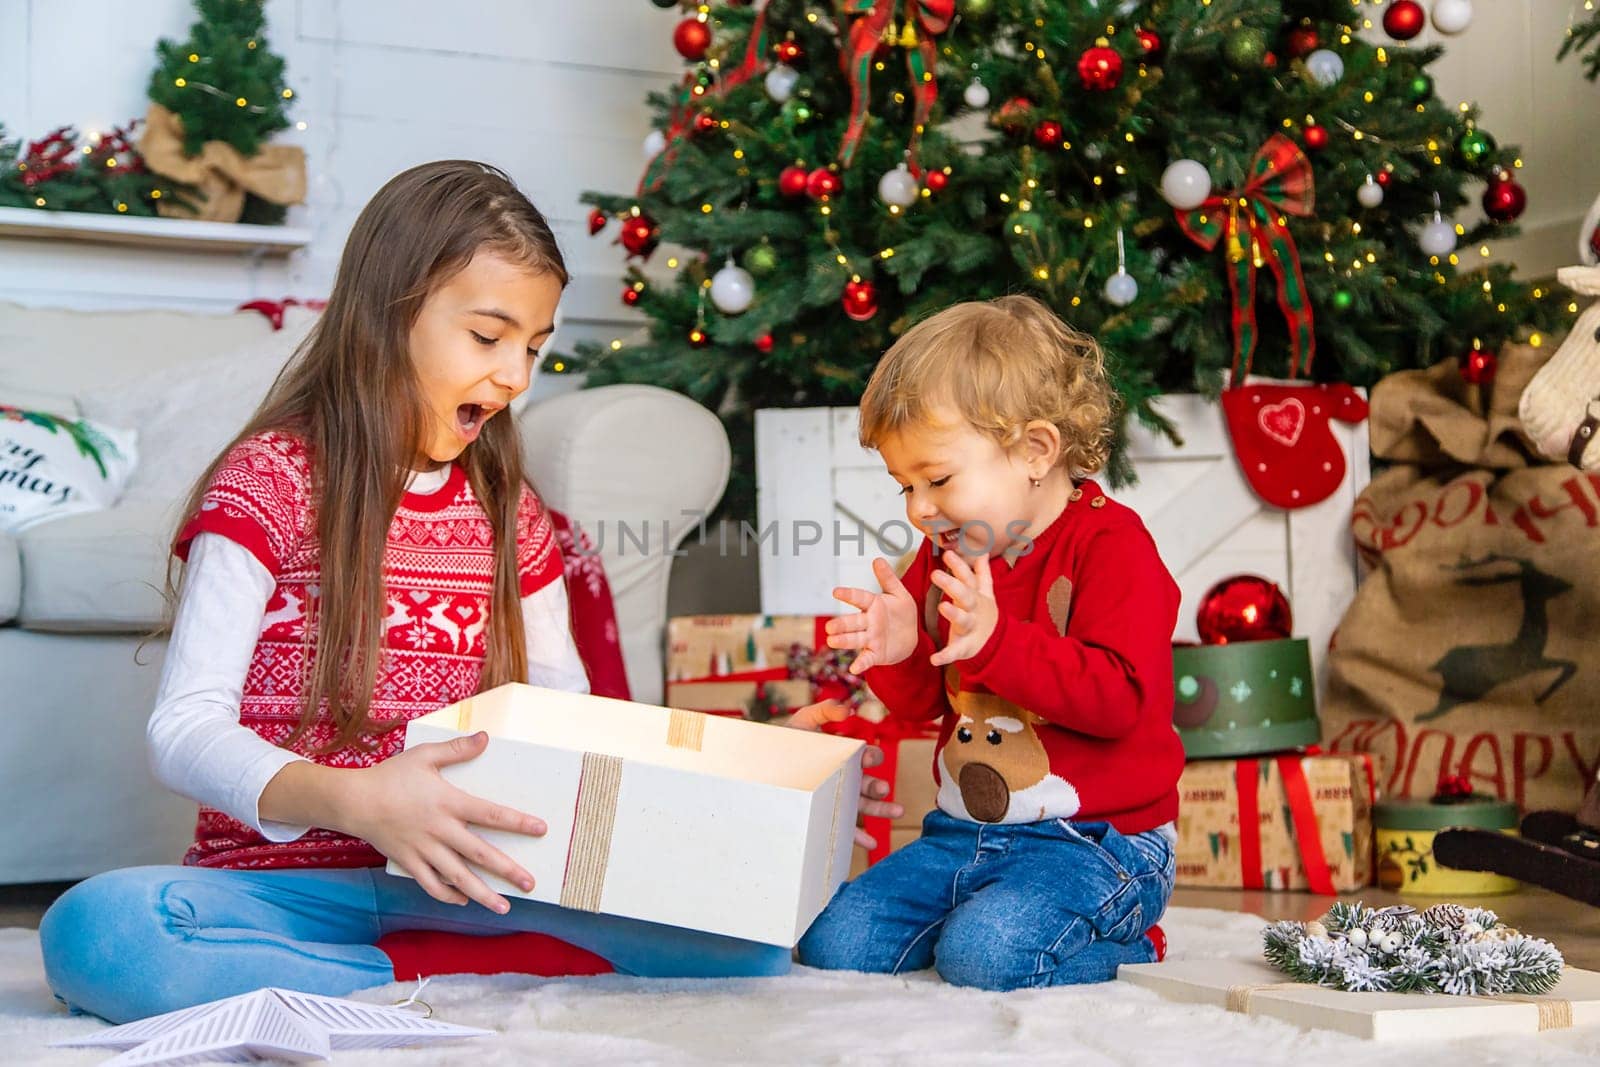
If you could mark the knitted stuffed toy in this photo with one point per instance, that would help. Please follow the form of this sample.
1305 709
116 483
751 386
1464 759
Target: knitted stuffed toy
1560 408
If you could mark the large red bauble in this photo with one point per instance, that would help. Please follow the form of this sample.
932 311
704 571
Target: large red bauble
792 181
1316 137
1404 19
860 300
597 221
692 39
1100 68
1504 200
1244 608
1047 134
822 183
1302 41
639 235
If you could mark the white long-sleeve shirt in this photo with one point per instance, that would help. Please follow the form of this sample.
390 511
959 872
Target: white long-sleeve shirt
197 746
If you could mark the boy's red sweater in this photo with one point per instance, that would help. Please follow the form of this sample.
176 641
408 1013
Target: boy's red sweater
1066 711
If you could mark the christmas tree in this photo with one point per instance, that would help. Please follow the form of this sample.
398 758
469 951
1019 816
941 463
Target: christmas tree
1583 39
223 82
1207 186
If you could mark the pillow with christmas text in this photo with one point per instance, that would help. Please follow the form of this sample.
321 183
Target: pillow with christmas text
57 465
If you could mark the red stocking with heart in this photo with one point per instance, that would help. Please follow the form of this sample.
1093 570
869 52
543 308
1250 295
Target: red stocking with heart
1283 441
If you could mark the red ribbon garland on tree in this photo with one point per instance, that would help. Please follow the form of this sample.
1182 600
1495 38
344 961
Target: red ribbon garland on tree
1280 183
933 18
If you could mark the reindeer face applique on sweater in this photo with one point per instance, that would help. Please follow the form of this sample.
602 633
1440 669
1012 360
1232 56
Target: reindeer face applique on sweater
995 768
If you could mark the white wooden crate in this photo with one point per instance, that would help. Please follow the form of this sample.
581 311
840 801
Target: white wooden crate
811 473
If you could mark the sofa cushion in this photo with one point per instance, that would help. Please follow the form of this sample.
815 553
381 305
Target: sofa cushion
102 571
61 350
10 577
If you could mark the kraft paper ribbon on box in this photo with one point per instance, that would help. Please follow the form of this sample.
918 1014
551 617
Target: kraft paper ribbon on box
1305 830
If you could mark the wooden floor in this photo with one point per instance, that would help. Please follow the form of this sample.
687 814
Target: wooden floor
1573 927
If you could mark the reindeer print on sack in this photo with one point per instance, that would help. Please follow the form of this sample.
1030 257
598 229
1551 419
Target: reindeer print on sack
995 769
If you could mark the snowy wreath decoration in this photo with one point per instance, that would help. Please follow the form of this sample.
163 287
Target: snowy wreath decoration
1445 949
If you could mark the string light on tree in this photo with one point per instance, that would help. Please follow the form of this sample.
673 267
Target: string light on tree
1404 19
1121 288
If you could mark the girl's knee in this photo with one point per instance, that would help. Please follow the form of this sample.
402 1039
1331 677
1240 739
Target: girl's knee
101 936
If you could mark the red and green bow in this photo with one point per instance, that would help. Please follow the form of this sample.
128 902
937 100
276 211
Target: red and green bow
1252 219
931 18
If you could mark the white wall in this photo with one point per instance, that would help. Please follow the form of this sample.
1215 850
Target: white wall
553 90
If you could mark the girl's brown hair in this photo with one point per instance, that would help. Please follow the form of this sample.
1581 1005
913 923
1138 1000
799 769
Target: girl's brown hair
350 392
1001 364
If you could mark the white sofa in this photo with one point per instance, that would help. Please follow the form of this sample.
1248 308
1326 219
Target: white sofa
79 596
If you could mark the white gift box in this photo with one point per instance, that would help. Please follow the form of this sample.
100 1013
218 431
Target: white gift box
675 817
1256 988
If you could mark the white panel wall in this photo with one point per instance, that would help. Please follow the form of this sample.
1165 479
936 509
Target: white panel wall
553 90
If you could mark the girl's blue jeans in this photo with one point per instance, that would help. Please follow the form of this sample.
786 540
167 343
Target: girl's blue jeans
1001 906
146 940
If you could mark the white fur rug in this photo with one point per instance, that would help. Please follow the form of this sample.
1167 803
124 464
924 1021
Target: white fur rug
815 1017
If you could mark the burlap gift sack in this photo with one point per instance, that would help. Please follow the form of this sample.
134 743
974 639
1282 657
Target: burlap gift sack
220 174
1473 647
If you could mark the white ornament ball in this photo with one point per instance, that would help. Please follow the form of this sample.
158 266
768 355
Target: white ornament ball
1357 937
1452 16
654 142
1185 184
898 187
1122 289
976 95
1438 238
1370 194
781 81
732 289
1325 67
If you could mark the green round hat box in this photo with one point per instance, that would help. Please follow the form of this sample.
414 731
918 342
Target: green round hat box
1404 831
1244 698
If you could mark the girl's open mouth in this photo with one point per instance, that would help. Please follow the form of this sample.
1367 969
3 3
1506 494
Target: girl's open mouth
471 417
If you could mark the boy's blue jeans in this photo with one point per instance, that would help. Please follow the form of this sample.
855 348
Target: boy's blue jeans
1001 906
146 940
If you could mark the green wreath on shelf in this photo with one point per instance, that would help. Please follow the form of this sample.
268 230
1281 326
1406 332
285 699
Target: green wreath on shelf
1446 949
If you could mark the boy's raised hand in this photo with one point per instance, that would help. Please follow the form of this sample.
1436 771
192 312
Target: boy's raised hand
970 606
884 630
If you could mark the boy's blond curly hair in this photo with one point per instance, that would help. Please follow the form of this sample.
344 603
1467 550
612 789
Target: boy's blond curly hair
1002 364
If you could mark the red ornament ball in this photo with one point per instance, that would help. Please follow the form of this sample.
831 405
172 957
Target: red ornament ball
764 343
1149 41
1384 177
705 122
1012 115
630 296
1505 199
1302 41
1479 367
597 221
698 338
640 235
789 52
1244 608
1316 138
1047 134
1404 19
936 180
692 39
822 183
860 300
792 181
1100 68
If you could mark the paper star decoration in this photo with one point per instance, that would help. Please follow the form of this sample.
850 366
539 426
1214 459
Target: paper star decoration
267 1024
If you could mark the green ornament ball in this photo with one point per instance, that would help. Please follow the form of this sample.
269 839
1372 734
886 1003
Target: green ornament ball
761 259
1245 49
797 112
1419 88
1475 145
1343 299
975 9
